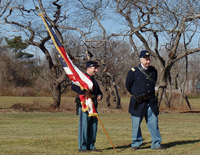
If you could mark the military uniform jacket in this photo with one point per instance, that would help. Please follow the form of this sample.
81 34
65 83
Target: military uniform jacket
95 92
137 83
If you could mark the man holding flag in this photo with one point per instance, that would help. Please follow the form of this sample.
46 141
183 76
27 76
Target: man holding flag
87 122
89 93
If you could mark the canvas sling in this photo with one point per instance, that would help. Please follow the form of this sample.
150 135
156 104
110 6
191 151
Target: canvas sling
146 74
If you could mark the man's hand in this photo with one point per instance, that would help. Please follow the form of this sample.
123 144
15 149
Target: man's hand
87 94
98 97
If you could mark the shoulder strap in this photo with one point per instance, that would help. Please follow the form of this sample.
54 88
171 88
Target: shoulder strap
146 74
133 69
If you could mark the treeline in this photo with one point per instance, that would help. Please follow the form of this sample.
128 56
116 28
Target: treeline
112 32
29 76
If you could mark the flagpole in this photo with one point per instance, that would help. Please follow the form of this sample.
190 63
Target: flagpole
40 14
106 133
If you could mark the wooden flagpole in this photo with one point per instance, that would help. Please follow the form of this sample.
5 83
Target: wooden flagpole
106 133
61 55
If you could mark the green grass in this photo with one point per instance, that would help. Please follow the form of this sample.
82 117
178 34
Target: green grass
56 133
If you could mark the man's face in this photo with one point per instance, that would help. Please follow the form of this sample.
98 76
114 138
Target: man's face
145 61
92 71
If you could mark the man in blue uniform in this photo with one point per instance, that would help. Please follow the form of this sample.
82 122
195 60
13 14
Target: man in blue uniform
140 83
88 125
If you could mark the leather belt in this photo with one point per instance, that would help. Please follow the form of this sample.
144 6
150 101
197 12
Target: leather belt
148 97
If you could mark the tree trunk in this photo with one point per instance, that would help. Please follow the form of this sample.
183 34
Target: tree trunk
118 103
56 95
165 80
113 96
107 89
162 91
167 103
107 94
160 95
115 92
169 92
183 96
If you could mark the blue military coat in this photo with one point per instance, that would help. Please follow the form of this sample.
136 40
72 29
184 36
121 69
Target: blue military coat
137 83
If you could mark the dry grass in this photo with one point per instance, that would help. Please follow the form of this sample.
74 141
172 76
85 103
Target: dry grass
31 128
34 102
30 104
56 133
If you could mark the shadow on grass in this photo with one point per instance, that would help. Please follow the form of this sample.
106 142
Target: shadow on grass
171 144
167 145
190 112
125 146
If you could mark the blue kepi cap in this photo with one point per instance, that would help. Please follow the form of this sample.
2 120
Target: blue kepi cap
91 64
144 54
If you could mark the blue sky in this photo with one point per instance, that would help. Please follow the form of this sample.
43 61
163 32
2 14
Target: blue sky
111 26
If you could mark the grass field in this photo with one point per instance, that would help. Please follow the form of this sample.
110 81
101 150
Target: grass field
56 133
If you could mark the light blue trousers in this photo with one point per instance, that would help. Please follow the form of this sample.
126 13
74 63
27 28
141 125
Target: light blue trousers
87 131
152 124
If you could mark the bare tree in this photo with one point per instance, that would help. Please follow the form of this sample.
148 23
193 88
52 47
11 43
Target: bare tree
158 26
25 21
96 9
164 23
29 24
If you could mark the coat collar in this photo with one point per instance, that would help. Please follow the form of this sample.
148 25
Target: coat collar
144 67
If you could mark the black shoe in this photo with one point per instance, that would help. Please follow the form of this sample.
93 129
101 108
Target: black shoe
84 150
160 148
134 148
96 150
